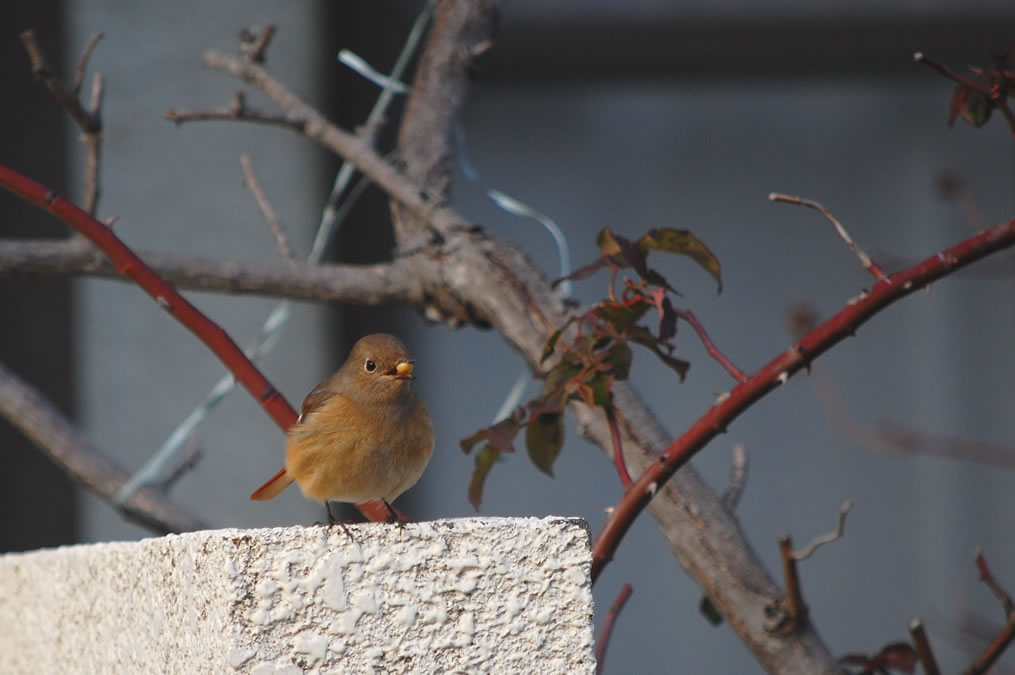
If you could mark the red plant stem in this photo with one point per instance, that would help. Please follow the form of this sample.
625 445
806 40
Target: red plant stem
131 266
618 448
611 618
165 296
688 316
778 371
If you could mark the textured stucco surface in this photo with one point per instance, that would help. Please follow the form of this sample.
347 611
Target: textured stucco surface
472 595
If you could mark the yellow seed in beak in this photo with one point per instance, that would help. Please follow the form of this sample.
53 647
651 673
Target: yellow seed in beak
404 369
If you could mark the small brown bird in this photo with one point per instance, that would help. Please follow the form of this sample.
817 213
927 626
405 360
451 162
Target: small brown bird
362 434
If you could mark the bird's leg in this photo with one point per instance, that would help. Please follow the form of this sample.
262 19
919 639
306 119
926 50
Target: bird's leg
393 516
332 520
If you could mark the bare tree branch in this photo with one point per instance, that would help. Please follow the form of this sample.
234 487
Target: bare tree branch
277 231
387 283
29 411
89 120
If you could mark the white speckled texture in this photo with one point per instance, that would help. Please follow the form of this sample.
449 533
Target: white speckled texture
476 595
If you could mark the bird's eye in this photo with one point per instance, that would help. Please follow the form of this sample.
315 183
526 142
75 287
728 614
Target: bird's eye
370 366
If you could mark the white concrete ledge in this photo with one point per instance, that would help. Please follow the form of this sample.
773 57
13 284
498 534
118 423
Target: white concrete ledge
477 595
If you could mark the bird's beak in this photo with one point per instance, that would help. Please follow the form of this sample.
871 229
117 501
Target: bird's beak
403 370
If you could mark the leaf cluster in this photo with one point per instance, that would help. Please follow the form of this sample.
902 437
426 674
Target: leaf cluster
594 347
974 105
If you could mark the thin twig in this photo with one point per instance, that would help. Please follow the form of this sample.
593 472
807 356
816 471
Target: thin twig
358 152
79 72
88 120
239 111
281 240
819 541
988 578
795 609
93 149
922 646
30 411
688 316
1000 643
942 69
737 480
618 448
608 623
865 259
255 50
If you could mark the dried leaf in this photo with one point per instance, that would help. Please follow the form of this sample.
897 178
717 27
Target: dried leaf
544 437
485 460
551 343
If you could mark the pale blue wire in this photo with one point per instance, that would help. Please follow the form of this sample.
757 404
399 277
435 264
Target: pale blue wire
509 204
331 217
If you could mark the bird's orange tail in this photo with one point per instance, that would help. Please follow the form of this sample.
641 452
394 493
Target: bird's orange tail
280 481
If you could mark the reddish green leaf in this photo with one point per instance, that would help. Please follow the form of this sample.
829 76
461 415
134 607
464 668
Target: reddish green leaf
544 437
645 338
485 460
500 435
657 279
682 242
620 360
621 251
973 107
679 366
466 444
599 386
667 317
561 374
583 272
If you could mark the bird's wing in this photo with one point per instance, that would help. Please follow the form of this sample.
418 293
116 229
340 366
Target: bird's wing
314 400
